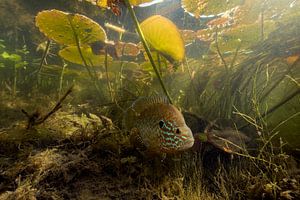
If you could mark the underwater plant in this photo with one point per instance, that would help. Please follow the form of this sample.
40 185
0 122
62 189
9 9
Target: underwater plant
14 62
83 34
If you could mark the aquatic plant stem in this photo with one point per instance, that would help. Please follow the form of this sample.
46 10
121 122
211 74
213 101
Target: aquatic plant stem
61 78
81 55
219 52
147 49
262 20
45 53
15 81
44 56
107 77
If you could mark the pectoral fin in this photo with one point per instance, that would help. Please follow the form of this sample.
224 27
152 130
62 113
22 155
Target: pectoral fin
136 140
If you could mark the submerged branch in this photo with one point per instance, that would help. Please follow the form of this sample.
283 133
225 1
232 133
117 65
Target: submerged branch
36 118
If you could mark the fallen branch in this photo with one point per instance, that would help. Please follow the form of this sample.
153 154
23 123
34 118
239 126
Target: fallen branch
37 118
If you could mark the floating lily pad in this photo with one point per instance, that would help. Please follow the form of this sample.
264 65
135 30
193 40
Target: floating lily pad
127 49
208 7
188 35
138 2
104 3
205 35
164 37
61 27
71 54
246 35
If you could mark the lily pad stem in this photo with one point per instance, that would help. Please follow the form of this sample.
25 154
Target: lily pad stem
147 49
81 55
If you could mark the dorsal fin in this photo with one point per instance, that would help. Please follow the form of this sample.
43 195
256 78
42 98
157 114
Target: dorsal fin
139 106
143 103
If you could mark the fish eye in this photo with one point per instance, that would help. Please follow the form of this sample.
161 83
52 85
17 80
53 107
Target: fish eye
161 123
177 131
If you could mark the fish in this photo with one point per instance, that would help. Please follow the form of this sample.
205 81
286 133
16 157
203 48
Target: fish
156 126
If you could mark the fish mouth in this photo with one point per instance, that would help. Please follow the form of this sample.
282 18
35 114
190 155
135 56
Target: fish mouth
188 144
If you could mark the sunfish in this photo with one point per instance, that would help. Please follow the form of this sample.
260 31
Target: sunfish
157 126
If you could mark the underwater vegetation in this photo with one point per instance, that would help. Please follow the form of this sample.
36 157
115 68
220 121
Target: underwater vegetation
142 99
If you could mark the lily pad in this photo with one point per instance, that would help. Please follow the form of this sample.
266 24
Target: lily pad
247 35
71 54
127 49
104 3
138 2
208 7
62 26
164 37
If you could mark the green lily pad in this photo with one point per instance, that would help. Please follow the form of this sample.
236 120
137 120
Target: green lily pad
208 7
61 27
71 54
164 37
246 35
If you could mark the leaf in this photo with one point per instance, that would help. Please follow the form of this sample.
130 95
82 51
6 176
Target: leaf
71 54
208 7
188 35
219 22
12 57
228 140
127 49
105 4
61 26
164 37
138 2
247 34
291 59
205 35
5 55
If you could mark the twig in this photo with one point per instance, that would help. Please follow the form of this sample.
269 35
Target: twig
36 118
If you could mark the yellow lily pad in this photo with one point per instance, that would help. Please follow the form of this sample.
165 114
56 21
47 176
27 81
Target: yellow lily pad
71 54
163 36
61 27
138 2
208 7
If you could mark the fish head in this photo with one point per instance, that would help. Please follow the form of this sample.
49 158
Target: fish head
175 135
